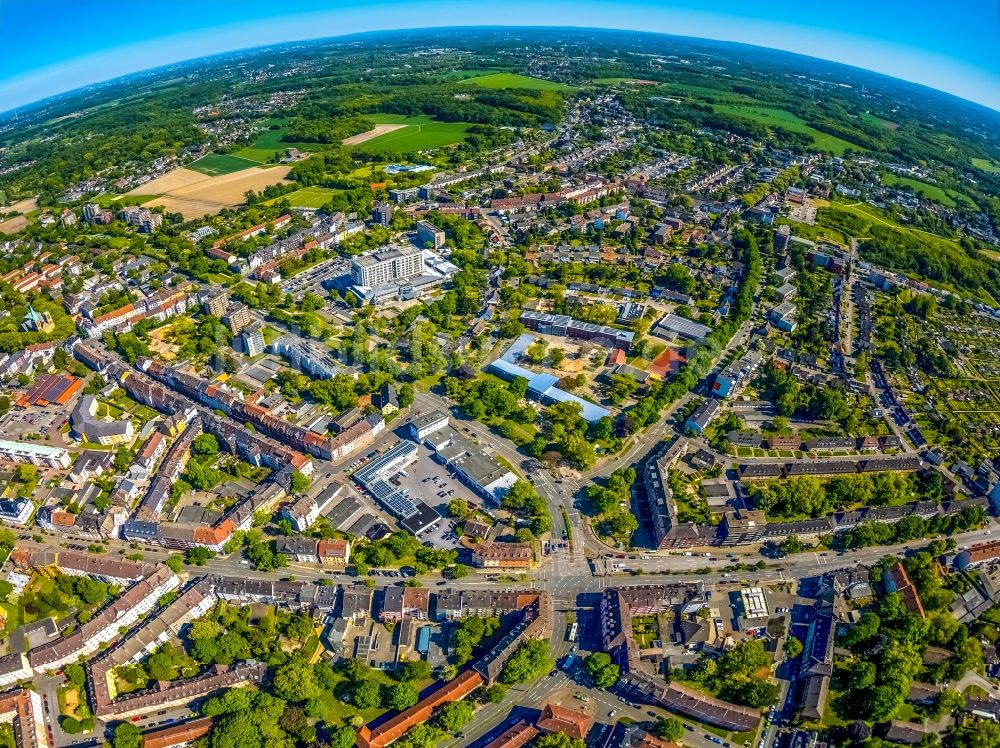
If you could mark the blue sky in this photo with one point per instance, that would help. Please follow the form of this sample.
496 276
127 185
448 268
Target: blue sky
51 46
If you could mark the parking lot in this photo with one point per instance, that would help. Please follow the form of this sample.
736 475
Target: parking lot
35 420
428 481
312 280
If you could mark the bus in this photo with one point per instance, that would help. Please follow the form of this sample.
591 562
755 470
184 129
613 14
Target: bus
573 632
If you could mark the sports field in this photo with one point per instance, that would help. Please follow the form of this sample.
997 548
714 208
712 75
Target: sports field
416 134
781 118
307 197
513 80
215 164
986 165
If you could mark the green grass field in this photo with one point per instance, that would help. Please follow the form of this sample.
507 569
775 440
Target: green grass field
924 189
215 164
873 120
513 80
986 165
421 133
781 118
264 146
307 197
120 201
270 142
613 81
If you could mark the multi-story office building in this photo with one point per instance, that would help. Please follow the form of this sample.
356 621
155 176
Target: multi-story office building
387 265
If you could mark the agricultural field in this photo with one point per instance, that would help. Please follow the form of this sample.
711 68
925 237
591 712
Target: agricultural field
13 225
307 197
375 132
193 194
513 80
215 164
413 134
781 118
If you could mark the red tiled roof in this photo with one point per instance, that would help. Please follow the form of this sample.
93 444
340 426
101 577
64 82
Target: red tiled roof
567 721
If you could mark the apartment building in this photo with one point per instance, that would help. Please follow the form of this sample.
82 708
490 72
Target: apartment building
502 556
428 233
34 454
253 341
104 627
237 318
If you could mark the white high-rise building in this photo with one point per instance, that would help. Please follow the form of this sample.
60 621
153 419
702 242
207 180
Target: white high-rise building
387 265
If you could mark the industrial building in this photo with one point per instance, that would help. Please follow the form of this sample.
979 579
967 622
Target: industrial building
415 516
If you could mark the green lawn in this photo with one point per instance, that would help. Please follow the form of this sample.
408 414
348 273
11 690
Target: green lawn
513 80
215 164
782 118
420 133
986 165
307 197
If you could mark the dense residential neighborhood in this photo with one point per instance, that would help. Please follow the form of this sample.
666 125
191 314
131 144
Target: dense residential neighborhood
567 406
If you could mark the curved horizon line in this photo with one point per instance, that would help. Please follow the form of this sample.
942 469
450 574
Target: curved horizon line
207 58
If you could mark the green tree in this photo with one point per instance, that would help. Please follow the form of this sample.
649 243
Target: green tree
414 670
530 661
295 681
793 648
494 694
127 735
455 715
26 473
558 740
402 696
669 729
198 556
604 672
299 482
368 695
205 445
123 458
